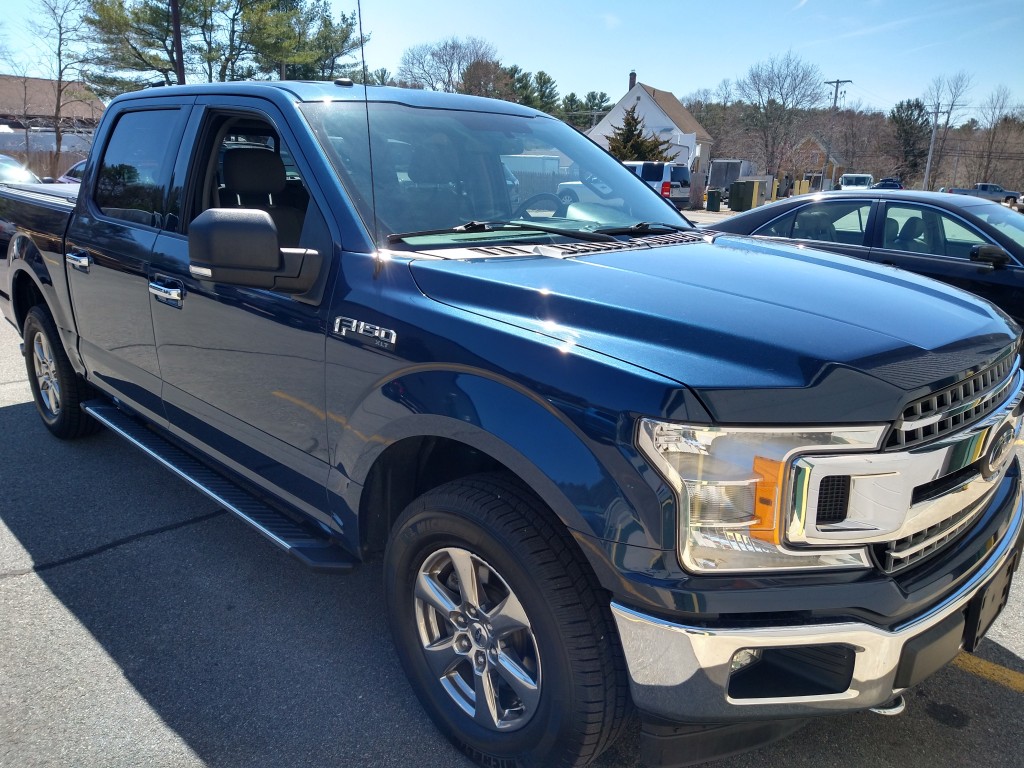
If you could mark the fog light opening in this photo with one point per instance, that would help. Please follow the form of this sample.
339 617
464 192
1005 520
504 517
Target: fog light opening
792 671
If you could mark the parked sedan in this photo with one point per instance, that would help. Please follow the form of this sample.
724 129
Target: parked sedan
971 243
73 175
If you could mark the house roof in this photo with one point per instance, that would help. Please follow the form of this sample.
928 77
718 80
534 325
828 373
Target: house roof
677 113
35 97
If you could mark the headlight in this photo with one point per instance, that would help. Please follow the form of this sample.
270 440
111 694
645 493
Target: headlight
733 488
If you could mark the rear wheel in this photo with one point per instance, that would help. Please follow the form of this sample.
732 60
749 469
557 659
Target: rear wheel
500 626
56 389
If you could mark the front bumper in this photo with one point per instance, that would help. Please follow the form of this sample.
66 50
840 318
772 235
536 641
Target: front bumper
685 673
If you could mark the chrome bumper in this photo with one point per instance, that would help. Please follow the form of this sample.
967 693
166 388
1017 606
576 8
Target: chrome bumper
682 673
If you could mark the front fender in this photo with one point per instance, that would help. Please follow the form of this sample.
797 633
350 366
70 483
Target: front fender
571 456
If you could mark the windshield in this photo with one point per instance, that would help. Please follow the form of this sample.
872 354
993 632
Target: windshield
856 181
435 170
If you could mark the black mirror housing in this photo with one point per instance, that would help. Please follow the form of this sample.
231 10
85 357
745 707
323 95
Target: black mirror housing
234 239
239 246
990 254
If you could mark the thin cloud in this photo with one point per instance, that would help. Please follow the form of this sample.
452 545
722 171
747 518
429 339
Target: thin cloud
800 4
611 21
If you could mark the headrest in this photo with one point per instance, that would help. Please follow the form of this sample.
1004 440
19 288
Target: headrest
892 229
912 229
253 170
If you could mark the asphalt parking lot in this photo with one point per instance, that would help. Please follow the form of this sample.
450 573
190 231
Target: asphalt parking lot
140 625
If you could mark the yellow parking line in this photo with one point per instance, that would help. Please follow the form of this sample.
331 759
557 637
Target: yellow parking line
995 673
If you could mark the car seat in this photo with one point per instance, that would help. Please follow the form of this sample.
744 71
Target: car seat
907 240
814 225
252 176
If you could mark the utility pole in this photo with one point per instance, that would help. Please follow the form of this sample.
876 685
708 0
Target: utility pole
828 138
835 97
931 148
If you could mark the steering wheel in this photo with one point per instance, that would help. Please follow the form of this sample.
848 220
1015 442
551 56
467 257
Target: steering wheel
522 212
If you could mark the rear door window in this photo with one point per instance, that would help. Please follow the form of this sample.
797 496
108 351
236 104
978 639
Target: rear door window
836 221
651 171
135 170
681 174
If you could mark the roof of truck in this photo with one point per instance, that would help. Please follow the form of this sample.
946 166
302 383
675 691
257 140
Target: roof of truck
338 90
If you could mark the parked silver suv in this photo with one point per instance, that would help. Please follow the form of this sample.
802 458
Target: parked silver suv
670 180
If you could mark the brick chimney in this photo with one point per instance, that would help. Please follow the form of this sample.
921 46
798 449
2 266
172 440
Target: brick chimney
632 79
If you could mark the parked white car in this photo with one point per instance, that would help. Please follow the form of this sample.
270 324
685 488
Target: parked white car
859 181
670 180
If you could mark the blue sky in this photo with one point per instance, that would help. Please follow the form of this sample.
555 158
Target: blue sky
890 49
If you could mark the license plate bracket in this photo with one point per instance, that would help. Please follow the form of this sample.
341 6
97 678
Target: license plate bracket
986 606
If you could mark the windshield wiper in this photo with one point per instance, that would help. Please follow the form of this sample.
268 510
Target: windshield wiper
497 226
643 228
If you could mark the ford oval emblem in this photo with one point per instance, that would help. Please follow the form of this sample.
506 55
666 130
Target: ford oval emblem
1001 449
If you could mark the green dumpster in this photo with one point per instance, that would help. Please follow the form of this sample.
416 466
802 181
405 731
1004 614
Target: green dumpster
714 200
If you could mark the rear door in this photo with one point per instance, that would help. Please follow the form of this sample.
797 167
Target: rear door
121 213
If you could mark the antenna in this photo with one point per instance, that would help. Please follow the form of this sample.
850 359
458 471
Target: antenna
369 142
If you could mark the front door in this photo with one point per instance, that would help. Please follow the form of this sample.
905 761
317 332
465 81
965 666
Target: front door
937 243
243 368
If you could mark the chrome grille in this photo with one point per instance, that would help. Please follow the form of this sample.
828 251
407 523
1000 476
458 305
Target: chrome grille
904 552
957 406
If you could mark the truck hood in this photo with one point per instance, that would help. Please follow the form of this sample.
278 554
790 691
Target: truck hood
749 326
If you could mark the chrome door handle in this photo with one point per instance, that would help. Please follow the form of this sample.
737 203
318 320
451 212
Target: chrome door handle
79 261
163 293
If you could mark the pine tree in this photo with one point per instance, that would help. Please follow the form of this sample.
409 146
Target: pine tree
628 141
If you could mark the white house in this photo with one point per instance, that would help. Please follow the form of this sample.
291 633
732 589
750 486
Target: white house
665 117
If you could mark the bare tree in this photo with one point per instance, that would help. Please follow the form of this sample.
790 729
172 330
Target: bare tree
777 93
57 28
441 66
25 107
947 99
995 111
857 138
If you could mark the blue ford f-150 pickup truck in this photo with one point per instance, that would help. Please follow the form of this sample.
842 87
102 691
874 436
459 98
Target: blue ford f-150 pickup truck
612 462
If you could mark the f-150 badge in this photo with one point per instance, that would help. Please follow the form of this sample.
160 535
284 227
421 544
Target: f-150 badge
368 333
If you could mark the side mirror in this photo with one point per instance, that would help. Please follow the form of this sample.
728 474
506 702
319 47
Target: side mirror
239 246
990 254
48 180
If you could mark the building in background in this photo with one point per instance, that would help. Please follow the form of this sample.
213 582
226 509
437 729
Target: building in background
27 109
665 117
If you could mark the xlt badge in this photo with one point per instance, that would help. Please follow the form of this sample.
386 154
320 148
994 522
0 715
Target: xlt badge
384 338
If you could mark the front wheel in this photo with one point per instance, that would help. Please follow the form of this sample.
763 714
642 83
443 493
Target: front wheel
501 629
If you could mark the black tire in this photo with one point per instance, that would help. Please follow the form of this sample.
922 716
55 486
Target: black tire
570 700
56 389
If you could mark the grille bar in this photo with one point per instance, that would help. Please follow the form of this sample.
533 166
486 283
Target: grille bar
957 406
911 549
